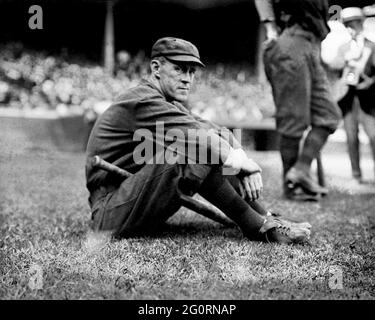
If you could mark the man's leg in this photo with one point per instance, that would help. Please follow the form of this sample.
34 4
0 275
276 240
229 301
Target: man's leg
141 203
254 220
256 205
217 190
325 116
366 100
289 73
314 142
148 198
368 122
289 150
351 123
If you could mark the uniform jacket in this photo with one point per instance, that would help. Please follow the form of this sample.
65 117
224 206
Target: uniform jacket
113 135
311 15
370 66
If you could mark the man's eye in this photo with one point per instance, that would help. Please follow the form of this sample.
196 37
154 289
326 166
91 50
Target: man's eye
178 69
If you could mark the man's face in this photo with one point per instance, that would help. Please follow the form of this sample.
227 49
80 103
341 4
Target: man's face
176 79
356 26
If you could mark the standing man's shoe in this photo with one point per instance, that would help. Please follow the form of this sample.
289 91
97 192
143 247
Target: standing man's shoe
297 177
296 193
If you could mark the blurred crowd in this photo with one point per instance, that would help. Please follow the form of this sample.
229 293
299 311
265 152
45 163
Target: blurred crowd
36 80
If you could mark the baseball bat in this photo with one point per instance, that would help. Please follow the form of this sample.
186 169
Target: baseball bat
187 202
320 171
100 163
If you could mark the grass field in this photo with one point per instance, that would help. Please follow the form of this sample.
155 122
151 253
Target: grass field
48 252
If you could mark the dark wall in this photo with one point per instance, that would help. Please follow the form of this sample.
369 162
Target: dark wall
77 26
351 3
223 33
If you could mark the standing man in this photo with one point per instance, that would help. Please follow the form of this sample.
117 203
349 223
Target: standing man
152 112
295 29
359 73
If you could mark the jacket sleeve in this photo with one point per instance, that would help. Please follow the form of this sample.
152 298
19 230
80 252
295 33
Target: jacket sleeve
223 132
265 10
372 61
370 65
189 136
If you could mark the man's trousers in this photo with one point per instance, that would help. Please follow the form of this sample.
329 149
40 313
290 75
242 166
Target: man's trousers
354 114
144 201
299 83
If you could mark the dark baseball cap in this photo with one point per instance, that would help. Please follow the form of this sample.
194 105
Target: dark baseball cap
176 50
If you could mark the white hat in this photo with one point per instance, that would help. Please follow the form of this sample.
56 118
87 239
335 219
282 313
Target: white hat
352 13
369 28
369 11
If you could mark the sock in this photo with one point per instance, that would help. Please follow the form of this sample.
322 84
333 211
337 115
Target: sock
256 205
218 191
314 142
289 149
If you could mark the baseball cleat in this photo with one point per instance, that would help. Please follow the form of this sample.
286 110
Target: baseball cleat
291 223
287 232
296 177
296 193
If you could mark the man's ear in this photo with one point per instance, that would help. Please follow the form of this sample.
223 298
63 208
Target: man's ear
155 68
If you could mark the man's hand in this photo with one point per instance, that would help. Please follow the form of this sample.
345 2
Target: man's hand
252 185
366 83
271 31
248 172
250 167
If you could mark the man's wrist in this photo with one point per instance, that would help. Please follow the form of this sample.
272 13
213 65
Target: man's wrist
271 30
235 158
269 22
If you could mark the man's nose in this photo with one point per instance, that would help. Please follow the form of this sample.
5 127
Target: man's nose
186 77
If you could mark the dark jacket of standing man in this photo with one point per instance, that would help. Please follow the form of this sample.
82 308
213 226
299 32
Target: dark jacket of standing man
295 29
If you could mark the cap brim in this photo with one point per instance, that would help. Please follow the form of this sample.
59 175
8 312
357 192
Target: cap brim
353 18
186 58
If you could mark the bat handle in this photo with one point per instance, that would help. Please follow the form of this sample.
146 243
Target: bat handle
205 210
102 164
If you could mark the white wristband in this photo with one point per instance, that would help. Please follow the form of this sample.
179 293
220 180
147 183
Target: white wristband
235 159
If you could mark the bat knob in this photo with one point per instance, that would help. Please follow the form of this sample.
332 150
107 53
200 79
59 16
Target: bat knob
95 161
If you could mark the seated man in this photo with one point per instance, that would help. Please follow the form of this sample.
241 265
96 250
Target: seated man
152 112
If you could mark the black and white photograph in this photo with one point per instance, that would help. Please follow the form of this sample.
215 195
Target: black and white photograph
210 151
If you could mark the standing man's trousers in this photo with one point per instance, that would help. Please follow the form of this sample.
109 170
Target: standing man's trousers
299 83
355 113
